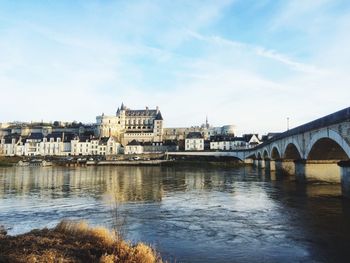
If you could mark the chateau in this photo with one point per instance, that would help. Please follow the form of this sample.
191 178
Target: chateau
128 125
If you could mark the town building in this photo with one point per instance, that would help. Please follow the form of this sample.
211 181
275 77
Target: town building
194 142
133 147
229 142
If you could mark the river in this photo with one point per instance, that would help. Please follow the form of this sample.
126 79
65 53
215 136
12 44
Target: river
189 214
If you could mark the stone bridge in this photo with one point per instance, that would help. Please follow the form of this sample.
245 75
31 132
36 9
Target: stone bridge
317 150
327 138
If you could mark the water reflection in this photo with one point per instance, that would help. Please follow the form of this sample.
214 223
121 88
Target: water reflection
189 214
127 184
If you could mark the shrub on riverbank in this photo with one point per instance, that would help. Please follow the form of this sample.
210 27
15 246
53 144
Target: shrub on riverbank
73 242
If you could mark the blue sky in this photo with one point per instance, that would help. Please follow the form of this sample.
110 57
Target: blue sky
243 62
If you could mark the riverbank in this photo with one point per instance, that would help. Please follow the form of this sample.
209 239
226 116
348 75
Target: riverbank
205 161
9 161
73 242
124 160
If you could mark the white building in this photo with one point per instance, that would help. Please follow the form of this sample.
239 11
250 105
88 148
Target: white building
94 146
57 144
11 145
133 147
227 143
194 142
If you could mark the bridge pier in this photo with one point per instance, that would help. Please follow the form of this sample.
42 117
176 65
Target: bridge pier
272 165
345 177
267 165
300 170
261 163
324 170
286 166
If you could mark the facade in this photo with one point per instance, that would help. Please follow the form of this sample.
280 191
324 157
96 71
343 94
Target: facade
194 142
93 146
227 142
11 145
133 147
128 125
57 144
160 147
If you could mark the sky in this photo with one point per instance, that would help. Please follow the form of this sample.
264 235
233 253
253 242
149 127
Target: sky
243 62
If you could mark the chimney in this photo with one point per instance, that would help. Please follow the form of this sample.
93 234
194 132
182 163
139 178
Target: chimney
157 108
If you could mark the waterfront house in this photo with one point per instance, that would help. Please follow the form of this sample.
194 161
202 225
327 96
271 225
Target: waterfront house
194 142
133 147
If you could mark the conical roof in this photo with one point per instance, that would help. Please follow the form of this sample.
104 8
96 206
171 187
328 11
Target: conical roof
159 116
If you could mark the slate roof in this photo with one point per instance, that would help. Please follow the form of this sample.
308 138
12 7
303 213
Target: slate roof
68 137
146 112
8 138
247 137
36 136
150 113
123 107
133 143
103 141
54 135
159 116
194 135
84 138
220 138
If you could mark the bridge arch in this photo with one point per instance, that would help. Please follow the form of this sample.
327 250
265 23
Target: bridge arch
292 150
266 154
327 145
275 152
259 155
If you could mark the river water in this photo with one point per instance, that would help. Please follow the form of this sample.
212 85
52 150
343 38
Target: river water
190 214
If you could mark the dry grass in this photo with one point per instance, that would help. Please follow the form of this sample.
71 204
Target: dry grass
73 242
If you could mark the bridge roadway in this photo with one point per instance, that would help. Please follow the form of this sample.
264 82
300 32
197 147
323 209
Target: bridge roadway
318 150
